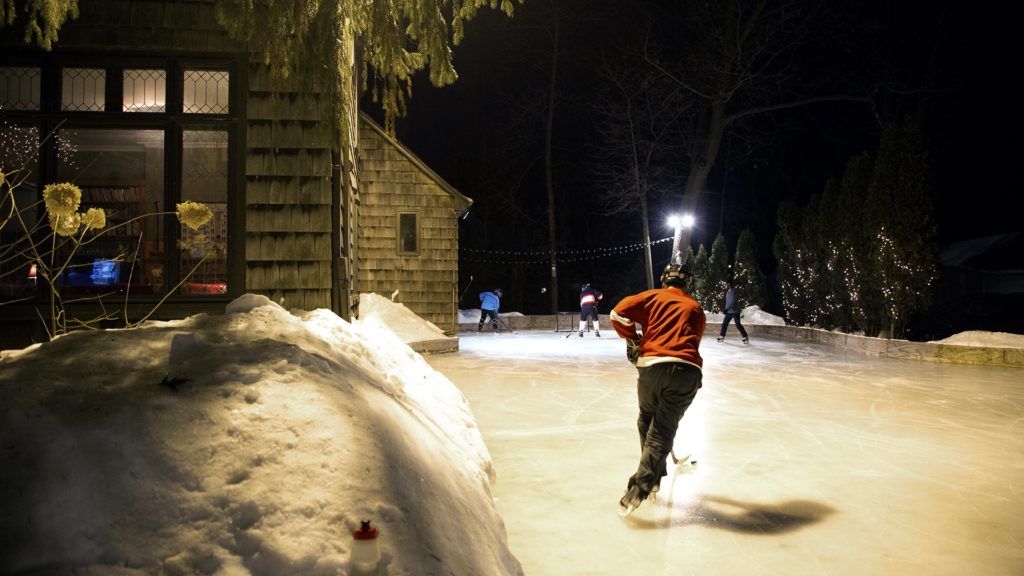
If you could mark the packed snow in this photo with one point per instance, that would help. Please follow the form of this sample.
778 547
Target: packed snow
253 442
380 313
986 339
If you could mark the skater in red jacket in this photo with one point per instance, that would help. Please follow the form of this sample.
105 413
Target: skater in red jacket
669 371
589 297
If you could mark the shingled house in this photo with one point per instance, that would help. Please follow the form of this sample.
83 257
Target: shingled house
147 103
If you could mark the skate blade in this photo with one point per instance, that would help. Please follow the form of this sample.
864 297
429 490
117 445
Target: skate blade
627 510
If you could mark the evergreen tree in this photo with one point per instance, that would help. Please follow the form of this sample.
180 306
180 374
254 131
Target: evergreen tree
900 216
718 273
688 257
787 250
831 295
812 295
746 277
852 263
699 286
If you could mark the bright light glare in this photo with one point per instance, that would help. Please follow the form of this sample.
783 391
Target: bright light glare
685 221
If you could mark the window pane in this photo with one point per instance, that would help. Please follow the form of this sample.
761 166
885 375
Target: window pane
122 172
19 88
206 91
19 162
407 232
83 90
204 179
145 91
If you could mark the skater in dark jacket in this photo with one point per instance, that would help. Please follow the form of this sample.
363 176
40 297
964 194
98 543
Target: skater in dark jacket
731 311
490 302
668 371
589 297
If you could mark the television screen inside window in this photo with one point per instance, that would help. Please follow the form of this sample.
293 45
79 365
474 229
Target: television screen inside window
104 272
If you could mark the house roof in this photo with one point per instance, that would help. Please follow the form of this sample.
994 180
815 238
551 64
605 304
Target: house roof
416 160
996 252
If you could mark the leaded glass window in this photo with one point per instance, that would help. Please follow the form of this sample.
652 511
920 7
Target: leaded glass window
206 92
19 88
83 90
144 91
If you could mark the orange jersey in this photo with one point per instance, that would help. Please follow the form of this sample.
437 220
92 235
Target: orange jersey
672 321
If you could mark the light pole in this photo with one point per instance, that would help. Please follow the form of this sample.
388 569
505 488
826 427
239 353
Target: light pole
679 223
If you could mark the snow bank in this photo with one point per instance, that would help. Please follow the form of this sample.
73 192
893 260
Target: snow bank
248 443
380 312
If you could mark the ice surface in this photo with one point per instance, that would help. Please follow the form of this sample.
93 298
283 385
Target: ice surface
810 460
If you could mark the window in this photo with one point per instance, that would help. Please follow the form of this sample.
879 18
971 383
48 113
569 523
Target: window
408 235
144 91
19 88
19 144
206 92
204 179
83 90
138 139
120 170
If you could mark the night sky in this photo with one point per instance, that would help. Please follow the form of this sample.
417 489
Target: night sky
485 134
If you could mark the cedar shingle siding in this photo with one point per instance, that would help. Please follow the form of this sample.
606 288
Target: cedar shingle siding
288 194
393 180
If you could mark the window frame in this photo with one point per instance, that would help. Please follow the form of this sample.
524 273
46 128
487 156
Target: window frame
172 121
400 243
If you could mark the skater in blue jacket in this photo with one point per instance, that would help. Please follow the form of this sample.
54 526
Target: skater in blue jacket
490 302
732 312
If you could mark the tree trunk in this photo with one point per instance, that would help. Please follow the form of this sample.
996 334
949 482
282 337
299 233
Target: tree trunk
697 181
553 237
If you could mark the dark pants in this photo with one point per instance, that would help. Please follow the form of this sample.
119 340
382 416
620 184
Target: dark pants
665 391
588 311
483 318
725 324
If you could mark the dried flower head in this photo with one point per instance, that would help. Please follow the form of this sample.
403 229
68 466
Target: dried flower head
62 199
194 214
3 177
65 225
94 219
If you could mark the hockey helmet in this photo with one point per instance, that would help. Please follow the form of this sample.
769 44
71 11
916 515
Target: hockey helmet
585 286
675 275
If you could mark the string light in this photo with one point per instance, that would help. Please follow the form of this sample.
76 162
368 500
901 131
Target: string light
544 256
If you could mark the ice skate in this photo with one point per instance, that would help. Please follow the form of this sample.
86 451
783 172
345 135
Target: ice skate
720 338
654 492
633 498
745 340
581 333
596 333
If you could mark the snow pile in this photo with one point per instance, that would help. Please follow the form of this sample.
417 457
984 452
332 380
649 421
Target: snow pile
750 315
379 312
248 443
986 339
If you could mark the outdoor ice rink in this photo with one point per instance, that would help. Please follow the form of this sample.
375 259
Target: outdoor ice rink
810 460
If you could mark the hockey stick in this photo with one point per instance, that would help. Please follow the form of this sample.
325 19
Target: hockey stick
504 323
466 289
676 459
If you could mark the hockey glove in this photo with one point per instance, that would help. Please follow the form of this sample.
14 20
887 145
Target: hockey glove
633 350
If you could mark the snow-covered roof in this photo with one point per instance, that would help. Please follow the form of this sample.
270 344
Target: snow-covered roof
996 252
